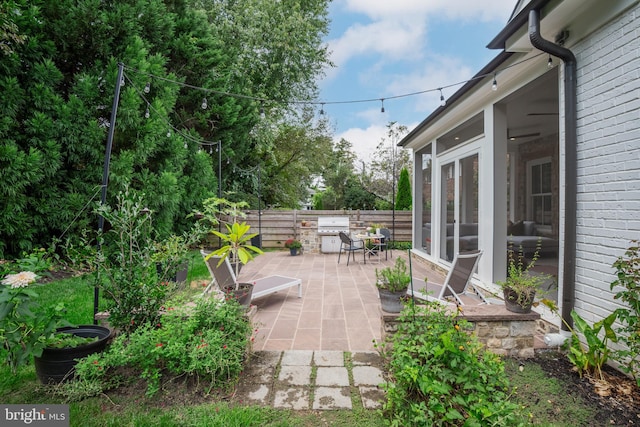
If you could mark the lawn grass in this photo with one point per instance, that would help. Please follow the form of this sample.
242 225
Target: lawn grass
547 400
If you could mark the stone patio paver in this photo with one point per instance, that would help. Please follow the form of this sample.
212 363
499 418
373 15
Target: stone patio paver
332 398
332 376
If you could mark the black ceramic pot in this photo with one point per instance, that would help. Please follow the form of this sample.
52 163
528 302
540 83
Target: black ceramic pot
56 364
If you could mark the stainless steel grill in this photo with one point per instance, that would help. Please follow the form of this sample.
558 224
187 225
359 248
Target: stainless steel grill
328 229
332 225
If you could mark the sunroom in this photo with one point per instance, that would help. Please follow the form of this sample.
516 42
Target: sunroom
488 170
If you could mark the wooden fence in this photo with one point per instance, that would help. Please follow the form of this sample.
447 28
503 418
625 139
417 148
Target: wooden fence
276 226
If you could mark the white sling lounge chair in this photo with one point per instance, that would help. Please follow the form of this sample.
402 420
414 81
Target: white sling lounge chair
223 275
457 281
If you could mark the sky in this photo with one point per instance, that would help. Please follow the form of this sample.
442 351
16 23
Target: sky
384 49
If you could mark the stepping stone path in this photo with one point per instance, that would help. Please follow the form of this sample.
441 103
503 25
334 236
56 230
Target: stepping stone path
311 379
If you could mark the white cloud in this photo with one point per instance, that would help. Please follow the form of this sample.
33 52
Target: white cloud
451 9
387 37
398 29
365 141
434 73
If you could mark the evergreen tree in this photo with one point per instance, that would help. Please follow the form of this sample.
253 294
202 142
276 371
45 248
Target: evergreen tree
57 79
403 197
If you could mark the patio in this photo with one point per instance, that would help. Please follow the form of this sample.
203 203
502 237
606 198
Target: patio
339 308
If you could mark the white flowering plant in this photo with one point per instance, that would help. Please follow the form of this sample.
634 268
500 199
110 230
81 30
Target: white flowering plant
25 326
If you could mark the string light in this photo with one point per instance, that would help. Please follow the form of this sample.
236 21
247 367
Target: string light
186 145
146 112
550 62
304 102
494 85
122 82
322 109
204 104
261 111
382 101
169 133
147 87
442 100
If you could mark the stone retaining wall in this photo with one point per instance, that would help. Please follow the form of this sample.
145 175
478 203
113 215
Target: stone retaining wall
501 331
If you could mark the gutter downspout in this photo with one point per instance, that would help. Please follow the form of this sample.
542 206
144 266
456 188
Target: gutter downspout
571 162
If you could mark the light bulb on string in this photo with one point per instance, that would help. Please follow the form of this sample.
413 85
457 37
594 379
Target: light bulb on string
494 85
204 104
169 133
122 82
322 109
442 100
210 150
186 145
147 87
261 111
550 62
382 108
146 113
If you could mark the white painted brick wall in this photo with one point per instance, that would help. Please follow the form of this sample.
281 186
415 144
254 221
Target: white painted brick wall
608 214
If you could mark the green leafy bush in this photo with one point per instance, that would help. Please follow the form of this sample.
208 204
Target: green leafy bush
442 376
628 279
210 344
589 358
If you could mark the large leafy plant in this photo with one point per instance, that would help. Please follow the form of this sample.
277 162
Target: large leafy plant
442 376
628 283
588 358
236 242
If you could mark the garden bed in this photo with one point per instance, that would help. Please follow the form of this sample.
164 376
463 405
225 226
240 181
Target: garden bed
619 406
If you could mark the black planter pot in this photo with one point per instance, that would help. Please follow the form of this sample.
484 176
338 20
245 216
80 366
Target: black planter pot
391 302
293 251
516 303
242 294
56 364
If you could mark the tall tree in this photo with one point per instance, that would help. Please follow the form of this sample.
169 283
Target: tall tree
389 161
57 83
403 197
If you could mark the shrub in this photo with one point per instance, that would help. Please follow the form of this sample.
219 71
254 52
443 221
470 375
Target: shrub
209 344
628 281
442 376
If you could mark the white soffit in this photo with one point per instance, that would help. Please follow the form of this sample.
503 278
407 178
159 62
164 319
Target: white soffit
578 17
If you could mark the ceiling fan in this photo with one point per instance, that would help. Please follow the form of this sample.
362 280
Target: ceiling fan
521 136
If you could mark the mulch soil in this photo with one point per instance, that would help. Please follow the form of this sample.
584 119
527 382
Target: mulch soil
617 398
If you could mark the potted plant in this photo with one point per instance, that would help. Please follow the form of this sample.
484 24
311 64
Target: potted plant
65 347
520 287
375 227
29 330
392 284
293 246
236 245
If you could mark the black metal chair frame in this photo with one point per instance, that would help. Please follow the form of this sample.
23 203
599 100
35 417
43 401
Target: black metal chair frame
348 245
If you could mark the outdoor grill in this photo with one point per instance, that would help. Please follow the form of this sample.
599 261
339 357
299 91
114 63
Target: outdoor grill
328 229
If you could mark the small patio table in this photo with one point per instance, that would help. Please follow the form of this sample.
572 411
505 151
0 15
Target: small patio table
367 238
